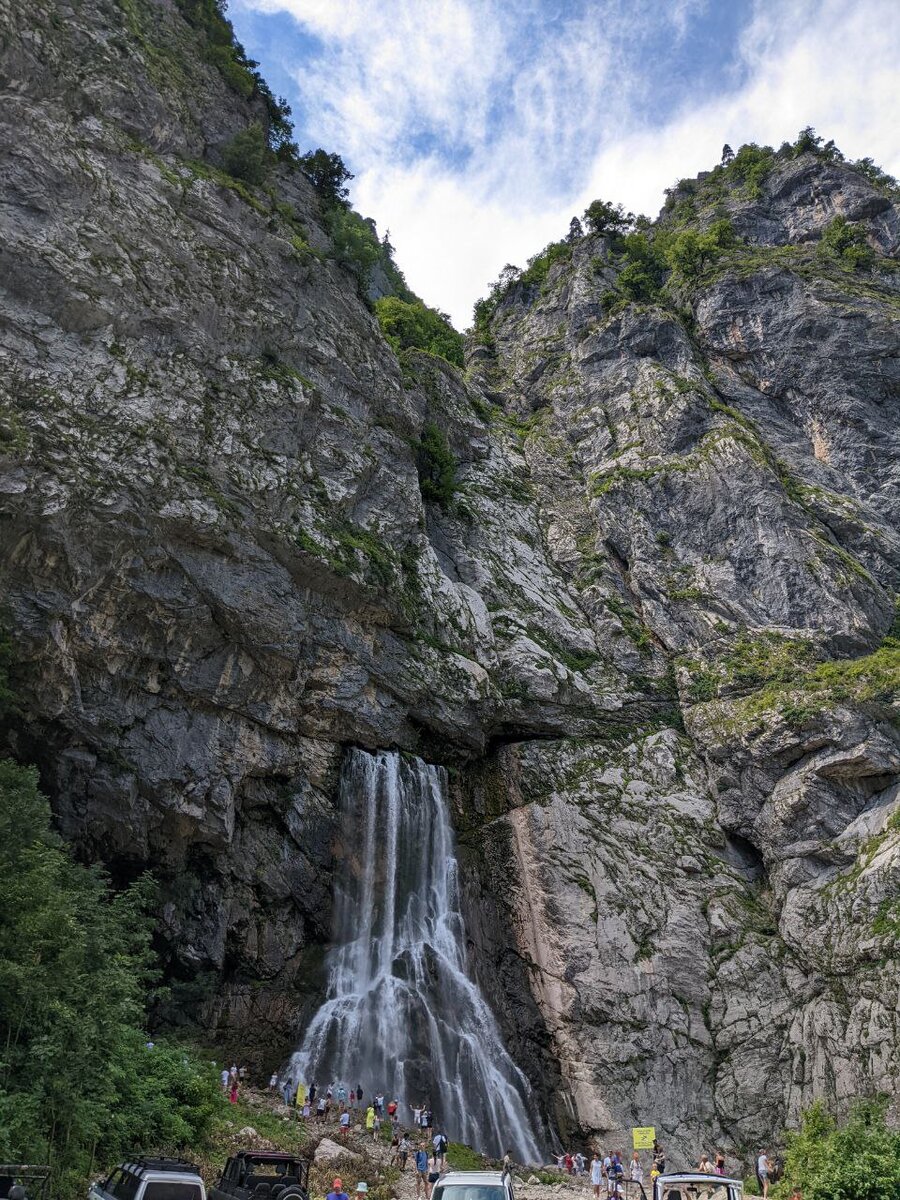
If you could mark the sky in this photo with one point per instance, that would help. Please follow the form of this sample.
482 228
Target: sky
476 129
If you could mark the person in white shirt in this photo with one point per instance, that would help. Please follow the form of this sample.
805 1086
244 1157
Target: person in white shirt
637 1171
596 1173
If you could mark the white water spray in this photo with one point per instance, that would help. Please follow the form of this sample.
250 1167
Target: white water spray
401 1013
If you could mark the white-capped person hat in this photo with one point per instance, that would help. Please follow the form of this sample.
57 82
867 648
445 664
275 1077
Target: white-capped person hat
361 1187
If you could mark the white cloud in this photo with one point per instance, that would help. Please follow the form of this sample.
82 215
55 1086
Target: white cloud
540 112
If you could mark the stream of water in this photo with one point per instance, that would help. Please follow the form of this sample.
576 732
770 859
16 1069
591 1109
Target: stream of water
402 1014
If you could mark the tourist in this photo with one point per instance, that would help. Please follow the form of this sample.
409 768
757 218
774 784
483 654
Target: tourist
596 1174
361 1190
422 1171
300 1099
273 1081
341 1094
720 1163
242 1075
379 1104
705 1166
287 1091
370 1119
321 1108
233 1093
637 1171
353 1099
337 1192
233 1075
404 1149
568 1162
359 1094
579 1163
507 1161
312 1093
440 1149
377 1129
345 1121
392 1107
608 1172
763 1167
224 1078
659 1159
417 1113
304 1112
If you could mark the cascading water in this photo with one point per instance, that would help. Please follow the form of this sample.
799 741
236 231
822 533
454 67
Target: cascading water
401 1013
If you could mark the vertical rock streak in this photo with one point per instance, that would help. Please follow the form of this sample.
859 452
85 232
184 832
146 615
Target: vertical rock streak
401 1012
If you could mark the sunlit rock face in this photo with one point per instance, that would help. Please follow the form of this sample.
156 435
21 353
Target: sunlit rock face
649 633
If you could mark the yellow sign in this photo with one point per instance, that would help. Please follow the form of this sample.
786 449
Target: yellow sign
644 1137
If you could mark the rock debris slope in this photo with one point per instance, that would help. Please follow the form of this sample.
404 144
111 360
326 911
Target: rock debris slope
650 631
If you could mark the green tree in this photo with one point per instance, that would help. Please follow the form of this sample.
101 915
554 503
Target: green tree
857 1161
411 325
78 1083
328 175
608 219
247 156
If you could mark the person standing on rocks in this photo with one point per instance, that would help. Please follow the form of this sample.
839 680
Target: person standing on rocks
440 1150
273 1081
720 1163
224 1078
370 1120
705 1166
337 1191
403 1151
637 1171
312 1092
422 1171
596 1174
345 1122
763 1167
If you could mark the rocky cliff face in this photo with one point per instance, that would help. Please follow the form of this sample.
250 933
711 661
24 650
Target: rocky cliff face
650 632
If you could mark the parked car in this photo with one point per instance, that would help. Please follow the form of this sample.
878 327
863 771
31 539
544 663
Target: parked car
694 1185
474 1185
151 1179
263 1175
23 1181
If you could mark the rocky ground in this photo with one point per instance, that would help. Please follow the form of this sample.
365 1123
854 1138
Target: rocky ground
651 631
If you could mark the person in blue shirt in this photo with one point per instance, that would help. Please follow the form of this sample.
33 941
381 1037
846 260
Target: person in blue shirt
422 1171
337 1191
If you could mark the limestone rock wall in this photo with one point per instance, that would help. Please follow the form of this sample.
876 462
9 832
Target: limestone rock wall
650 634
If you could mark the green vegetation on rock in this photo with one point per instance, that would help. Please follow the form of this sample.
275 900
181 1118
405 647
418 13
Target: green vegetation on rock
436 466
412 325
858 1159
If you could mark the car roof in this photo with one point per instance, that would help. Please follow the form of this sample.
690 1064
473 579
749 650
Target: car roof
696 1177
458 1177
269 1155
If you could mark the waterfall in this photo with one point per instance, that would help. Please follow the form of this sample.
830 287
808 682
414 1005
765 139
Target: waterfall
402 1014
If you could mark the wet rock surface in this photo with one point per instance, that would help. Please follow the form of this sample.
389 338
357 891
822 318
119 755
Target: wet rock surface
650 633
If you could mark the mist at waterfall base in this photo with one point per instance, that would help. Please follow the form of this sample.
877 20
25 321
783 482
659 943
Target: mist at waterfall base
401 1014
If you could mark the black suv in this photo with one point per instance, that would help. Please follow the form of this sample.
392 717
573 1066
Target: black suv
263 1175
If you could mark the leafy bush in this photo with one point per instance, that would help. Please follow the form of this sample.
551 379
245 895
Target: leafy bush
78 1084
436 467
411 325
847 242
857 1161
354 241
539 264
689 252
247 156
750 166
328 175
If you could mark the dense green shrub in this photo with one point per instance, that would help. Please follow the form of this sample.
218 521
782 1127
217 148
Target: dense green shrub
79 1085
847 242
412 325
247 156
689 252
859 1160
354 241
539 265
436 467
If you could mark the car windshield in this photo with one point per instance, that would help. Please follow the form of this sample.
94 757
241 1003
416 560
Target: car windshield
166 1189
468 1191
697 1191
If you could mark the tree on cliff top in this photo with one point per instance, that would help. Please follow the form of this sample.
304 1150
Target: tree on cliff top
328 175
